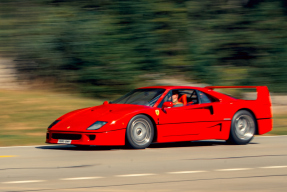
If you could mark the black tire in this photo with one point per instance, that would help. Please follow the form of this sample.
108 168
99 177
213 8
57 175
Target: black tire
140 132
243 128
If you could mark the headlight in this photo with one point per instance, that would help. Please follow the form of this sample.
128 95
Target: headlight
54 123
96 125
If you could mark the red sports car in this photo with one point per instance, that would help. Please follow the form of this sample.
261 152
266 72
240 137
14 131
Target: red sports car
162 114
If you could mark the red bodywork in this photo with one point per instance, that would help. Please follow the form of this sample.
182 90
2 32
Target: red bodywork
187 123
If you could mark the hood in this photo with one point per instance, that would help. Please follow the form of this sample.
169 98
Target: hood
80 120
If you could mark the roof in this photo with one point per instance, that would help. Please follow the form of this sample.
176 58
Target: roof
170 87
204 89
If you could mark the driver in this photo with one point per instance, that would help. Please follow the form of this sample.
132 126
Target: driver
175 101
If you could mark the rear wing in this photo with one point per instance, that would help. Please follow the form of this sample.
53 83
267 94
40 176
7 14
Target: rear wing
263 95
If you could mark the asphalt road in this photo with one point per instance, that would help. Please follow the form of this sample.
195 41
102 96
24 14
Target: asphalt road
189 166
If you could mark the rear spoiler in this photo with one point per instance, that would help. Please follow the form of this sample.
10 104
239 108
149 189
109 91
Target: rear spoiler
262 91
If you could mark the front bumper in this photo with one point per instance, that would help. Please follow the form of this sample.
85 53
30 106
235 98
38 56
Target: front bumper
116 137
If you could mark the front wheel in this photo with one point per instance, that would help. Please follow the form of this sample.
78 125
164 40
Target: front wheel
140 132
242 128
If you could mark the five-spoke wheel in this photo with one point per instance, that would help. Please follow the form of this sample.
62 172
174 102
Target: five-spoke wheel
242 128
140 132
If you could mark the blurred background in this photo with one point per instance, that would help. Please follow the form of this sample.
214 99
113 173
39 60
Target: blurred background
60 55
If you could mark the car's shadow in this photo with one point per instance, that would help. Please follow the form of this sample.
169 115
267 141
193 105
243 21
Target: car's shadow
152 146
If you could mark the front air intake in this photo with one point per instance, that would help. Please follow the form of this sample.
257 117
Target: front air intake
66 136
92 137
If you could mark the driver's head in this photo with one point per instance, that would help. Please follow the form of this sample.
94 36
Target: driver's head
174 96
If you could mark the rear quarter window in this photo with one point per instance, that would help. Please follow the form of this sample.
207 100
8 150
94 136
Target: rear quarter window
205 98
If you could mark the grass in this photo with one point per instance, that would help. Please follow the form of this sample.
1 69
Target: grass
279 124
25 115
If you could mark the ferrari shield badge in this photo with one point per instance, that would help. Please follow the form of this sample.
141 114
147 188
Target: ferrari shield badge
157 112
68 127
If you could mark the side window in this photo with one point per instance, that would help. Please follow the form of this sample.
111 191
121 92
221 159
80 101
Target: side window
190 94
187 95
193 98
203 97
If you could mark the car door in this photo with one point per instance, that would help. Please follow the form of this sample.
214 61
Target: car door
187 122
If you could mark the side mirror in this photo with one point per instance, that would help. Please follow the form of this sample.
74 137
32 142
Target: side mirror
167 104
105 103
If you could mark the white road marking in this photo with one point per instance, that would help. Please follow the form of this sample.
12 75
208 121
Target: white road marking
185 172
27 181
274 167
80 178
146 174
135 175
234 169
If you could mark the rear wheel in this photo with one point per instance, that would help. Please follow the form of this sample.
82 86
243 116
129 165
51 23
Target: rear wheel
140 132
242 128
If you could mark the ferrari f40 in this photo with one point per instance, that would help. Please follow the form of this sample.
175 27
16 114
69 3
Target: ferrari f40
160 114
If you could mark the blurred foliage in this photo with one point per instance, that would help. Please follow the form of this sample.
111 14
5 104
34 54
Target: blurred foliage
101 47
25 115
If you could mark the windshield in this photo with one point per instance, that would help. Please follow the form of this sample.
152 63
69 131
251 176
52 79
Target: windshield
147 97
